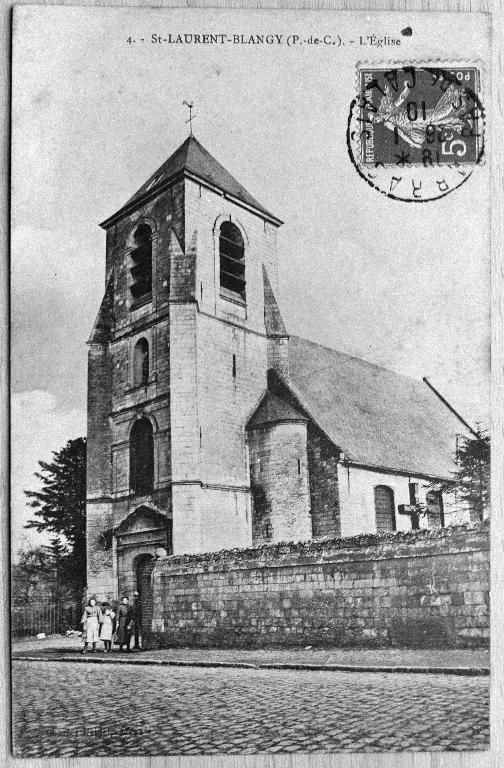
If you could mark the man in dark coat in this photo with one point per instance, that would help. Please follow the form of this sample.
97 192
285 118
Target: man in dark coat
124 620
137 620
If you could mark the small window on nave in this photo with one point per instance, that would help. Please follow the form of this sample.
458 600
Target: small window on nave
141 362
232 260
384 508
141 265
435 509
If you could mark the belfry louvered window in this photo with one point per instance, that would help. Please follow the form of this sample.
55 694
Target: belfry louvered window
232 260
141 265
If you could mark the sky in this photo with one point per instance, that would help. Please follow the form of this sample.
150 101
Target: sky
404 286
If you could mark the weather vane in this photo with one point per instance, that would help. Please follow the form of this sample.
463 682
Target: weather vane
190 104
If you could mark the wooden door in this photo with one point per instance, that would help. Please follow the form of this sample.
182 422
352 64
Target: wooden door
144 567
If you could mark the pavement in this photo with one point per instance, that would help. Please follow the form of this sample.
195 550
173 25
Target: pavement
422 661
125 709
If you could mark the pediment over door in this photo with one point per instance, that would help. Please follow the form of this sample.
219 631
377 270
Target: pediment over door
145 525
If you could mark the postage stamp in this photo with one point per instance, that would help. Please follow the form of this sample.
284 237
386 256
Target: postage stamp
416 133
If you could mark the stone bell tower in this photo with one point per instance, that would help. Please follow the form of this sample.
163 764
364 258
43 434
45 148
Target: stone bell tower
178 360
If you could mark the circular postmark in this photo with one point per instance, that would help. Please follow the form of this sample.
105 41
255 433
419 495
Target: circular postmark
416 133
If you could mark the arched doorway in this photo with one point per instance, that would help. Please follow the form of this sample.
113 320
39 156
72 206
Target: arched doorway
384 508
144 565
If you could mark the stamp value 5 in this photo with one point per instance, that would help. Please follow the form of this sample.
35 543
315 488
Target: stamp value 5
415 133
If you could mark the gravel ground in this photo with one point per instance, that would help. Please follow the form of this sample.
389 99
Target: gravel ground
387 657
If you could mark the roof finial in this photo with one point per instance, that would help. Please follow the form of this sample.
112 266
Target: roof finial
190 104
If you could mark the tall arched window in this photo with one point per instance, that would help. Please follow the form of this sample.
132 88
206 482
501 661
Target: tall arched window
141 457
384 508
141 362
435 511
232 259
141 265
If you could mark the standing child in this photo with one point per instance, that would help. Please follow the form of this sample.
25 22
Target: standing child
107 629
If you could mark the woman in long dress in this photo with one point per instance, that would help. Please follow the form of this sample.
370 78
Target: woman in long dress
91 625
124 619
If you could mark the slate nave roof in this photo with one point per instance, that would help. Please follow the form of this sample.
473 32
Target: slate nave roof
378 418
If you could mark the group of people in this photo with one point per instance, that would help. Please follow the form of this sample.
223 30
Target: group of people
106 624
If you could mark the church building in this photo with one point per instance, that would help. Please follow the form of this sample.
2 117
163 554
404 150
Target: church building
209 426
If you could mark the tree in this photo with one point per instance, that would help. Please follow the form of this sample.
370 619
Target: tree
59 557
31 575
471 480
44 574
61 506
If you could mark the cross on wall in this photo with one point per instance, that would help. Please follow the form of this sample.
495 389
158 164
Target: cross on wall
412 511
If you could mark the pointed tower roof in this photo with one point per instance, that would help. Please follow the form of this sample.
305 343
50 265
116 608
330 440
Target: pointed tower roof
191 159
273 409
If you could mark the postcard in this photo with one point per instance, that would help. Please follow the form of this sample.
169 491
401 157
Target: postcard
250 272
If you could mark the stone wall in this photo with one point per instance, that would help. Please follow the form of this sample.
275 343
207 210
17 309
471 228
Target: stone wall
420 588
280 483
218 353
99 478
114 399
323 458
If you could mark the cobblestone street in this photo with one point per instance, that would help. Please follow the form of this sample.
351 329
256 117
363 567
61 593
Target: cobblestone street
85 709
